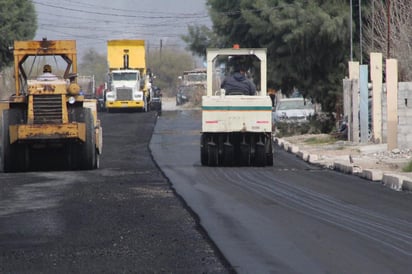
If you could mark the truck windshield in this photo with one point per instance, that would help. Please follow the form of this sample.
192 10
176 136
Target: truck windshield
125 76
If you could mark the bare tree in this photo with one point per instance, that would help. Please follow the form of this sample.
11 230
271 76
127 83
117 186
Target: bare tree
394 39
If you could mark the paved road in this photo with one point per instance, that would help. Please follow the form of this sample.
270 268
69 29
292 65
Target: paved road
122 218
289 218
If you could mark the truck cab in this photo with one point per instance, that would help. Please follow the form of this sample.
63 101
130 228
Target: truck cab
125 90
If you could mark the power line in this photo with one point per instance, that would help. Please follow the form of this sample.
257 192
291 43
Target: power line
174 16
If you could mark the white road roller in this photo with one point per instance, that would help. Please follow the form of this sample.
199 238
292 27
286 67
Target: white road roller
236 128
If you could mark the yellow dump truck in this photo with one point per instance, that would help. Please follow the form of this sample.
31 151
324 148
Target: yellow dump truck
46 120
127 84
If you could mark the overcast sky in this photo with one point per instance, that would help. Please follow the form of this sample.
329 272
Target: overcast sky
93 22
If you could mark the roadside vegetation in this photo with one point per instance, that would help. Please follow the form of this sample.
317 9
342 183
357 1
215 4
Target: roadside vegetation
320 140
408 167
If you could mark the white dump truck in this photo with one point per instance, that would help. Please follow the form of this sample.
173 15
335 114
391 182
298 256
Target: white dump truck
236 129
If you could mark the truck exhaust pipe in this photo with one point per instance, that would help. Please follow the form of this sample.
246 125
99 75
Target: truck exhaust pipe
126 59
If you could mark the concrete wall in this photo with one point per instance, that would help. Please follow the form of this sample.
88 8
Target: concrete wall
384 119
392 119
405 115
404 101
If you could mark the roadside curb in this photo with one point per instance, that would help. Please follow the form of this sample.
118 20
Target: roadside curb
395 181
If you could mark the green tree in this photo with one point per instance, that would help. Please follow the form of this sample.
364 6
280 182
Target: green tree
307 41
18 21
199 39
93 63
167 66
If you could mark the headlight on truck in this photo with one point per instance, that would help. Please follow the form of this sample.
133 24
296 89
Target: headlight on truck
137 95
72 100
110 96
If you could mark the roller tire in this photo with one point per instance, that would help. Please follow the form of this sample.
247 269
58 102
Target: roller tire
14 157
213 155
228 155
260 155
97 160
245 155
88 148
203 151
269 159
5 156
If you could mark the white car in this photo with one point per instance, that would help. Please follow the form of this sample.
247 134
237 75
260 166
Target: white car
293 110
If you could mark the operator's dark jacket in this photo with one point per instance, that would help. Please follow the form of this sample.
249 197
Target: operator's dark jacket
238 82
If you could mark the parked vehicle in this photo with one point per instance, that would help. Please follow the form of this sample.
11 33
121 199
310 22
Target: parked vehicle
156 101
183 95
293 110
192 86
194 77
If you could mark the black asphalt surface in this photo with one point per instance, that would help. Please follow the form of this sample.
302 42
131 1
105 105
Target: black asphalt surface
122 218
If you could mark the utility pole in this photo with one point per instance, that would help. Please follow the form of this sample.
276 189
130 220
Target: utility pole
360 32
160 50
388 38
350 30
373 25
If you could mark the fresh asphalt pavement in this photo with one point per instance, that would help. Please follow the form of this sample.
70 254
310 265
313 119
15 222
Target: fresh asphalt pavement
293 217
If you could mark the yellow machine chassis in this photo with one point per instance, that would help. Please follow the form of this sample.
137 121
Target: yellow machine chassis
47 132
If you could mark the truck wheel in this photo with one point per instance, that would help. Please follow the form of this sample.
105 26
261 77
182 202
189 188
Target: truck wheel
145 107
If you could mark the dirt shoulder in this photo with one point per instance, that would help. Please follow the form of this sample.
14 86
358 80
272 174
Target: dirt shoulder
366 156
